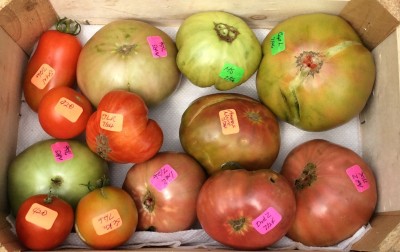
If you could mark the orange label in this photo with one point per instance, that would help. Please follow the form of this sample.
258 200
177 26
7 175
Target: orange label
229 121
111 121
107 222
68 109
41 216
43 76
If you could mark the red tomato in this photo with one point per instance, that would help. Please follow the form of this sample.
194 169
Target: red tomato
120 130
335 192
63 112
246 209
43 223
163 188
53 63
106 217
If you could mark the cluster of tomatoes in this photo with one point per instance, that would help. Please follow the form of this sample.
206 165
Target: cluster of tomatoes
323 194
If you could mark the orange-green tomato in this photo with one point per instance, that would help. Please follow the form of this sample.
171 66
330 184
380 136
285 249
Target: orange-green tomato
315 73
106 217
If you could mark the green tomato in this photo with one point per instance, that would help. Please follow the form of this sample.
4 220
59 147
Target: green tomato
65 168
129 55
217 48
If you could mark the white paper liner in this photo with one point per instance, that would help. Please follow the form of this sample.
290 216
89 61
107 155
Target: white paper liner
168 116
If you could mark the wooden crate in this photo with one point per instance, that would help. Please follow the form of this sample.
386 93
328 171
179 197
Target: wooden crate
22 22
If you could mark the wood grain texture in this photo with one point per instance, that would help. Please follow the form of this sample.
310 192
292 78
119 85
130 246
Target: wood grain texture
12 63
260 14
25 20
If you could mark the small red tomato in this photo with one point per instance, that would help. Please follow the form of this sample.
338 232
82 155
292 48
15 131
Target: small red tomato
64 112
53 63
44 222
106 217
121 131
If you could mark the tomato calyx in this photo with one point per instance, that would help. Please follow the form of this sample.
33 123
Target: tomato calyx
69 26
307 177
100 183
238 225
126 49
226 32
309 62
149 202
102 147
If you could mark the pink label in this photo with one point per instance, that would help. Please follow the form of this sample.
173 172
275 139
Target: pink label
62 151
267 220
358 177
163 177
157 46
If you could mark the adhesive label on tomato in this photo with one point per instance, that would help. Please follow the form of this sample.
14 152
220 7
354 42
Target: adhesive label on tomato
157 46
111 121
41 216
43 76
231 73
267 220
163 177
68 109
107 222
357 176
278 43
62 151
229 121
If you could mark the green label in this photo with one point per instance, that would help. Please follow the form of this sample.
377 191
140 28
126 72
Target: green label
231 73
278 43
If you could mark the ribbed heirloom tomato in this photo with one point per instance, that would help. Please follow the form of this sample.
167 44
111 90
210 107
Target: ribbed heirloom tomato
315 73
217 48
335 192
121 131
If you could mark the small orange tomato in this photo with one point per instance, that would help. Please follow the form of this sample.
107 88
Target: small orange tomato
106 217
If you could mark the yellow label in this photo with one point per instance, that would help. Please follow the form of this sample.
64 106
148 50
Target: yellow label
68 109
43 76
107 222
229 121
111 121
41 216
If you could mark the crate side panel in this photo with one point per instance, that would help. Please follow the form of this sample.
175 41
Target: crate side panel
380 130
260 14
12 63
25 21
372 21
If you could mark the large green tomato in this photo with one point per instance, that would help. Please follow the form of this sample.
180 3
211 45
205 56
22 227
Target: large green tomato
315 73
129 55
66 168
217 48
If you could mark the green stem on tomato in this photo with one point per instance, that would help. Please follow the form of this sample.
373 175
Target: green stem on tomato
68 26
